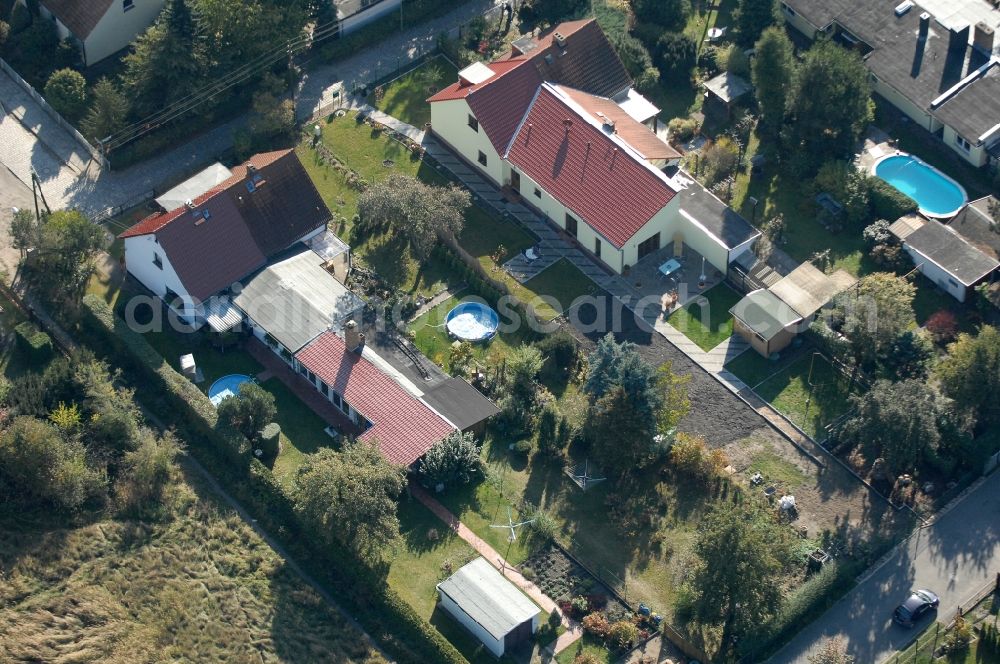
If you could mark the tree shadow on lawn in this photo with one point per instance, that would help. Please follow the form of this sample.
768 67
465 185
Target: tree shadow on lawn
546 481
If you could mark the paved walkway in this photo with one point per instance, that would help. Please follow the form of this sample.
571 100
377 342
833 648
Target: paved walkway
574 631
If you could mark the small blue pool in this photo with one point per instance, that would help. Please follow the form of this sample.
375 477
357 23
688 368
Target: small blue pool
936 193
227 386
472 321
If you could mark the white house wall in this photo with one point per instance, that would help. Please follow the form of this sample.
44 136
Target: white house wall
119 28
975 155
796 20
937 274
495 647
450 121
139 254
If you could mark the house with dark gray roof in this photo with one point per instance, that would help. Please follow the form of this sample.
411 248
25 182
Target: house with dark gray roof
100 28
934 60
944 256
978 226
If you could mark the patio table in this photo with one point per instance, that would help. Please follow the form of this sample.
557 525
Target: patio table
669 267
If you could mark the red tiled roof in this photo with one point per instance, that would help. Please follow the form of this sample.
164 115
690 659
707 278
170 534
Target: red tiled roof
459 91
158 220
633 132
404 427
80 16
608 187
500 107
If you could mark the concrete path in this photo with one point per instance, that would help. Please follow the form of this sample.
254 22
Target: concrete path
574 631
955 557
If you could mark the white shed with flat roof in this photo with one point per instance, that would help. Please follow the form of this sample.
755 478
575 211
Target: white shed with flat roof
489 606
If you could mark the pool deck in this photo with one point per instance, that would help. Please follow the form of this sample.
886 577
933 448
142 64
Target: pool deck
877 144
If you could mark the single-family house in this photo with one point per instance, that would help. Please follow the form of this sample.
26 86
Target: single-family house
225 234
489 606
943 255
556 121
934 60
100 28
770 318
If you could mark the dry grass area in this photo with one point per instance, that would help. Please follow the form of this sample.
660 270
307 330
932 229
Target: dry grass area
193 584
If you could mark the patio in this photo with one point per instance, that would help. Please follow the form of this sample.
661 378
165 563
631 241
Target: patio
658 289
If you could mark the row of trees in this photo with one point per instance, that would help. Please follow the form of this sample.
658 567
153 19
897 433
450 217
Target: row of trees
72 440
816 109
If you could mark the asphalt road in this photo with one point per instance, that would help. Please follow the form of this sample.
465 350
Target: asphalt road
955 557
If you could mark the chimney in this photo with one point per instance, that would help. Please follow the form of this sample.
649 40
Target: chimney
925 24
559 39
958 40
983 38
353 338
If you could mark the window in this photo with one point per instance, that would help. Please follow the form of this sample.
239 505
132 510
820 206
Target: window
157 261
127 4
597 247
962 143
482 158
649 245
337 401
312 376
538 193
473 123
515 181
571 226
324 389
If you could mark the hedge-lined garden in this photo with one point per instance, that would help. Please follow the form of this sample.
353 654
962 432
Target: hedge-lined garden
360 589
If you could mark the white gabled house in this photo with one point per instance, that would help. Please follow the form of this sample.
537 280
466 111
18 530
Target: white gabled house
100 28
557 122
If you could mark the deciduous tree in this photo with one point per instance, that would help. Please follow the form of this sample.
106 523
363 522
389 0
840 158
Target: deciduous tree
68 243
350 497
249 410
742 552
752 17
876 311
669 14
419 212
895 421
66 92
23 231
970 375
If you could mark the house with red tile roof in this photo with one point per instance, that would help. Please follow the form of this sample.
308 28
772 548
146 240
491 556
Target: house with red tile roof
226 233
556 121
100 28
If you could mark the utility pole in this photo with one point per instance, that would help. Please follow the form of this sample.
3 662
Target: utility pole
36 191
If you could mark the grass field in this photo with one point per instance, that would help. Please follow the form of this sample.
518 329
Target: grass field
563 281
787 385
406 97
195 584
707 328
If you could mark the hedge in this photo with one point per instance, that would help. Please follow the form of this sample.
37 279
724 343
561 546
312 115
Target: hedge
887 202
384 614
37 345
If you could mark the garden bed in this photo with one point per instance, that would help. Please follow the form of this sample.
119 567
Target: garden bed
563 579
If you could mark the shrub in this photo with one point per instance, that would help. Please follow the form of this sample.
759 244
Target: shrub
877 233
37 345
528 573
623 633
269 439
66 92
943 326
691 457
675 56
887 202
718 160
586 658
596 624
20 19
959 637
560 352
523 447
4 32
682 129
453 460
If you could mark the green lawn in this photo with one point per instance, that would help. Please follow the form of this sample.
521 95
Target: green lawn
562 281
406 97
710 325
920 651
790 387
301 430
588 645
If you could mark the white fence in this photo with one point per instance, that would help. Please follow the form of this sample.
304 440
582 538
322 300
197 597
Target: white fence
40 100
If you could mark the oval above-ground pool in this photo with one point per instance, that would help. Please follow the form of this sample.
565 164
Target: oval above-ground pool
227 386
936 194
472 321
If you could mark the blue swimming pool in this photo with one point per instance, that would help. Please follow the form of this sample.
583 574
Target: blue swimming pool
472 321
936 193
227 386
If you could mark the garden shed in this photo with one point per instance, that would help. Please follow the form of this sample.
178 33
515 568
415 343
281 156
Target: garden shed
489 606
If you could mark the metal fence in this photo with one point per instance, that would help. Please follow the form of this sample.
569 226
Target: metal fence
111 212
96 154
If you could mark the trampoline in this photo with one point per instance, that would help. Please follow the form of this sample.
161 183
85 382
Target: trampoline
227 386
472 321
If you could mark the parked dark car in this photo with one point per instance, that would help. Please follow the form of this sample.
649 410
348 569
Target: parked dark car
916 605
